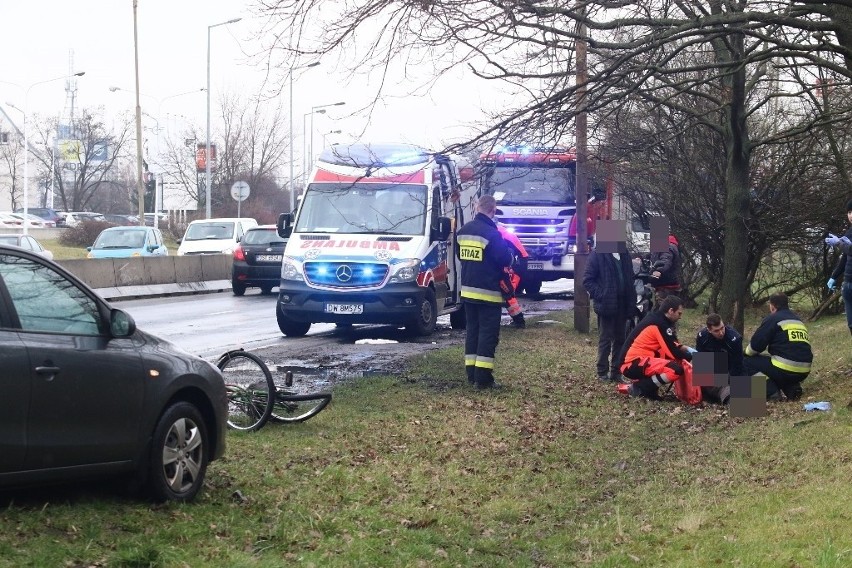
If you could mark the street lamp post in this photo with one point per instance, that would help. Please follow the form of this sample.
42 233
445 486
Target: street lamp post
207 155
25 112
312 123
292 187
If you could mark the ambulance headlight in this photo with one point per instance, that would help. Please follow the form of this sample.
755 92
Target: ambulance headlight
291 270
405 271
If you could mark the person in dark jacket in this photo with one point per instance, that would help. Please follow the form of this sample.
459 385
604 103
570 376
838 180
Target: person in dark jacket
484 257
665 271
652 354
844 270
609 281
719 338
785 337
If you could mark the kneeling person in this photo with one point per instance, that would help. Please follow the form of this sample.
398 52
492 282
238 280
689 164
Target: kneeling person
652 354
785 337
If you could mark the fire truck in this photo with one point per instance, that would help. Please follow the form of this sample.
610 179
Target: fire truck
535 193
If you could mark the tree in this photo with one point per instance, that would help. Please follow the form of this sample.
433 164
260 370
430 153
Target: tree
654 51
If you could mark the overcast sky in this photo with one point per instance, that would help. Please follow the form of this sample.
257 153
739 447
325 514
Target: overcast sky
40 37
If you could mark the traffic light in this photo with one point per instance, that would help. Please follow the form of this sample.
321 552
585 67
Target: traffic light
150 192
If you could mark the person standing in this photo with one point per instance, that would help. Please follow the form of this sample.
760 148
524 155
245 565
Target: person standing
665 271
652 354
484 257
716 337
785 337
609 281
844 270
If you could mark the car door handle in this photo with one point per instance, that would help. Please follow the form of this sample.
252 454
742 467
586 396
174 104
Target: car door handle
49 371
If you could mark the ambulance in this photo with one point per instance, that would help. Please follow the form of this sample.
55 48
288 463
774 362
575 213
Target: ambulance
372 241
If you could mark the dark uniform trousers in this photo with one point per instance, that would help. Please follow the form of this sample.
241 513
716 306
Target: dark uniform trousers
483 333
777 379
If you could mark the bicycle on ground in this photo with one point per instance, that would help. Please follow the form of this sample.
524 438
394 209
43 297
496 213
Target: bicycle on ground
256 397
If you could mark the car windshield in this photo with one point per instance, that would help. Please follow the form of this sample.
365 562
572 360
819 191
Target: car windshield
263 237
389 209
209 231
120 239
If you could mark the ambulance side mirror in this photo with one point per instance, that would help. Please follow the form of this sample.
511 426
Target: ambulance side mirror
441 232
284 226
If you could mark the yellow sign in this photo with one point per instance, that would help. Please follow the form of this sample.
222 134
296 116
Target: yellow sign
71 150
470 253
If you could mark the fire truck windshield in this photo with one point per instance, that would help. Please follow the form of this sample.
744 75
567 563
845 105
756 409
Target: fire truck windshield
364 208
530 186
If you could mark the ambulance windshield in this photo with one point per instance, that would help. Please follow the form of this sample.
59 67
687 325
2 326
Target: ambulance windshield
363 208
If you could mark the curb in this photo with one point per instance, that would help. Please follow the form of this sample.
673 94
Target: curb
162 290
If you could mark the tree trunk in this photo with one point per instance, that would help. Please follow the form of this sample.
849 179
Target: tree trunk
738 148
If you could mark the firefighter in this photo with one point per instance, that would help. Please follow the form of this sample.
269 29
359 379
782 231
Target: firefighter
785 337
652 353
484 257
512 277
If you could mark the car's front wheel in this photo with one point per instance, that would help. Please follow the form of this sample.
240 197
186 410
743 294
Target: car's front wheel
180 452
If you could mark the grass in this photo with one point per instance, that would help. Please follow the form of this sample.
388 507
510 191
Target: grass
557 470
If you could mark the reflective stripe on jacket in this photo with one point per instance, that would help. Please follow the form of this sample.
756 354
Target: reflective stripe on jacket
786 338
484 255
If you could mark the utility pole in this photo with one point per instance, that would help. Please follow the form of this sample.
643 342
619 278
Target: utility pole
581 193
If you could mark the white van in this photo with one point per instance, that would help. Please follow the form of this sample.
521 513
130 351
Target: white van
214 236
373 241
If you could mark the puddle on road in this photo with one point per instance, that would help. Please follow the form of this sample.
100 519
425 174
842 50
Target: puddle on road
321 377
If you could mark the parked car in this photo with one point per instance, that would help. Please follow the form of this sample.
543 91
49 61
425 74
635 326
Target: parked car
257 260
26 242
45 213
214 236
35 221
86 393
74 218
9 221
122 220
162 219
124 242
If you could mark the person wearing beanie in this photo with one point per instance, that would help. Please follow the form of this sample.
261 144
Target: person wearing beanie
844 269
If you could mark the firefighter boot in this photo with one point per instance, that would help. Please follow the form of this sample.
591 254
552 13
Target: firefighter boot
518 321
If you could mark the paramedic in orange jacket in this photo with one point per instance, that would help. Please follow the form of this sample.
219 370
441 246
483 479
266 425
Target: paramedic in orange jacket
652 353
509 284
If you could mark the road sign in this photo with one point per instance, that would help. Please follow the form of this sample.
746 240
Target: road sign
240 191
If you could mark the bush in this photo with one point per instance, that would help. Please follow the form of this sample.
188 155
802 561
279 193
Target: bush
84 234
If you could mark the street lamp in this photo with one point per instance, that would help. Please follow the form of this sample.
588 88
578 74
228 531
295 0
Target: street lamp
25 112
330 132
292 188
207 155
313 108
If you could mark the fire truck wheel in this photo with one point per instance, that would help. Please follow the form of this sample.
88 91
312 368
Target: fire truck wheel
427 315
531 287
458 320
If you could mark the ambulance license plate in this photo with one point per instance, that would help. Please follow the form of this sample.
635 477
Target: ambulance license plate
351 309
535 266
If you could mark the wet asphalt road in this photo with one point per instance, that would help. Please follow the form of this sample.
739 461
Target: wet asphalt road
210 324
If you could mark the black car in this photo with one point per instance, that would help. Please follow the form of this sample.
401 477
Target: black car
87 394
45 213
257 260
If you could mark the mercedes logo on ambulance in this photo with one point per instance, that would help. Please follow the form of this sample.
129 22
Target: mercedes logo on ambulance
344 273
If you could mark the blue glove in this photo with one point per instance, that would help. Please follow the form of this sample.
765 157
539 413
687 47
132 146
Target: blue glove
691 350
831 283
832 240
845 241
817 406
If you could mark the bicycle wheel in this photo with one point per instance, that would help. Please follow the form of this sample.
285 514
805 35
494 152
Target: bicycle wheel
250 389
290 407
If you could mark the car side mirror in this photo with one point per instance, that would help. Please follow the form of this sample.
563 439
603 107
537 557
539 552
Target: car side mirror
89 249
284 225
441 232
121 324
